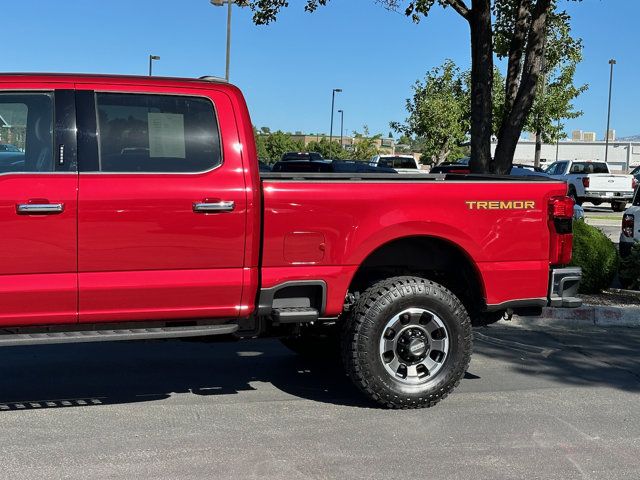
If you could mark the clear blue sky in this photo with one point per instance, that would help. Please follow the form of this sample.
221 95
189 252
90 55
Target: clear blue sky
287 69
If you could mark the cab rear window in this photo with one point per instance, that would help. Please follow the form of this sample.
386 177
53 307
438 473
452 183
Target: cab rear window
141 133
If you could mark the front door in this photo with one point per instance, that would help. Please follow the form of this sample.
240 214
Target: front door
38 205
162 205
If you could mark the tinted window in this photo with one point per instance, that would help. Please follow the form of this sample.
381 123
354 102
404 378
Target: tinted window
397 162
26 132
156 133
589 167
556 168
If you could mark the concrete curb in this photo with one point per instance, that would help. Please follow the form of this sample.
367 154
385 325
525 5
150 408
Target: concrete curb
587 316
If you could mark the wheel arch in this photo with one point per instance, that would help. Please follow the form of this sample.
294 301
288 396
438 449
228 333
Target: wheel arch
429 256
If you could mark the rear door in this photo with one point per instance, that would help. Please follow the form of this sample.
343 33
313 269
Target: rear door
162 205
38 205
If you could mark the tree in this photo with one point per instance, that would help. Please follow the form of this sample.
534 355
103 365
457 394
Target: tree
366 147
438 113
332 150
520 27
261 146
556 88
278 143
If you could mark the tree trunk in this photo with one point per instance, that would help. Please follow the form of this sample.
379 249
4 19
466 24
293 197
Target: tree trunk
536 160
514 119
481 85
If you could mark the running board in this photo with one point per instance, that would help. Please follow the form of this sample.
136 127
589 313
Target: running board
18 339
294 315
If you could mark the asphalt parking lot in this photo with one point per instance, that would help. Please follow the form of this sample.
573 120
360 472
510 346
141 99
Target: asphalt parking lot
547 404
605 219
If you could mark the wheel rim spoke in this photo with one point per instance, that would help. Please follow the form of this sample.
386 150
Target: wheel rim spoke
430 364
400 344
439 345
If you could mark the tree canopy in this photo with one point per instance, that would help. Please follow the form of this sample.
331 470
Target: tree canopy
438 113
514 29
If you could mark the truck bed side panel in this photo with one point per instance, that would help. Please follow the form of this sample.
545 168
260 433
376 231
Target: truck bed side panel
505 232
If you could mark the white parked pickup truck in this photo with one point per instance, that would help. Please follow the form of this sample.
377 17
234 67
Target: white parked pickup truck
400 163
593 182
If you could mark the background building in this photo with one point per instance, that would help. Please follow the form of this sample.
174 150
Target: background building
623 155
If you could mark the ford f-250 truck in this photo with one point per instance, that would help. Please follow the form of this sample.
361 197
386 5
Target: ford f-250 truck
136 210
593 182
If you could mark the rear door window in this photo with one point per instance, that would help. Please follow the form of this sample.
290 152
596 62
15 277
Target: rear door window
26 132
142 133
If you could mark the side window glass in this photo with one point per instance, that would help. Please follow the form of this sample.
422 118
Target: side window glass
156 133
26 132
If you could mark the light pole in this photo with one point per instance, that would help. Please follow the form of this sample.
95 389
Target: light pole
612 62
220 3
341 112
151 59
558 141
333 101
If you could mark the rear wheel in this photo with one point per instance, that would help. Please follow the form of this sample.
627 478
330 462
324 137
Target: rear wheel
573 194
407 342
618 206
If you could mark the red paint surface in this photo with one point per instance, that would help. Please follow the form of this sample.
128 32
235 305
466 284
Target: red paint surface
141 253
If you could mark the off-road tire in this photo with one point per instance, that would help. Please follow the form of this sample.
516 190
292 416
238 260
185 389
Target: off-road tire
618 206
366 325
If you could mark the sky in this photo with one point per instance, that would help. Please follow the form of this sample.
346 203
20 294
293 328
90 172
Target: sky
288 69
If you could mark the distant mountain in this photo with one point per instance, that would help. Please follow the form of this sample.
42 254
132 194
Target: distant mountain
631 138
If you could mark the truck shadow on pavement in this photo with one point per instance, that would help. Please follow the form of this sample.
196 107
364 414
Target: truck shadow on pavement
572 356
54 376
96 374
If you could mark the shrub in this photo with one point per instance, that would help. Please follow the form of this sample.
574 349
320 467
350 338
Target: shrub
630 269
596 254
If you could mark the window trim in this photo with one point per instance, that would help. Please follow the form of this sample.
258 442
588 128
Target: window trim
96 135
56 134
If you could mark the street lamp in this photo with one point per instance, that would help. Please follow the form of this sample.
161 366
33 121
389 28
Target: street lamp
220 3
341 112
612 62
151 59
333 101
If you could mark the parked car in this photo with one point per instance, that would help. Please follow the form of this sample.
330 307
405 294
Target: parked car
400 163
460 166
6 147
297 156
182 237
630 232
263 166
11 158
334 166
593 182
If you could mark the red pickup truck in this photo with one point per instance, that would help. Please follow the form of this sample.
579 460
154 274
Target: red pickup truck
133 208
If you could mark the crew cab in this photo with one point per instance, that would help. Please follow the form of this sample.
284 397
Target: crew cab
138 211
593 182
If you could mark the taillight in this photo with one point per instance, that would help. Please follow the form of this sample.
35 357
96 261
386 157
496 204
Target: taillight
628 222
561 207
634 183
561 229
585 182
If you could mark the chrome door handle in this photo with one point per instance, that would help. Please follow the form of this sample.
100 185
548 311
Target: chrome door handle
206 207
40 208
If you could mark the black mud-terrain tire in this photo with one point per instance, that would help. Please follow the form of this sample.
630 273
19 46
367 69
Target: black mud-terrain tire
573 194
618 206
366 325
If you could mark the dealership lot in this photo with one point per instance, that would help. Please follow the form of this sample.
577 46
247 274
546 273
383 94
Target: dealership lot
555 404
